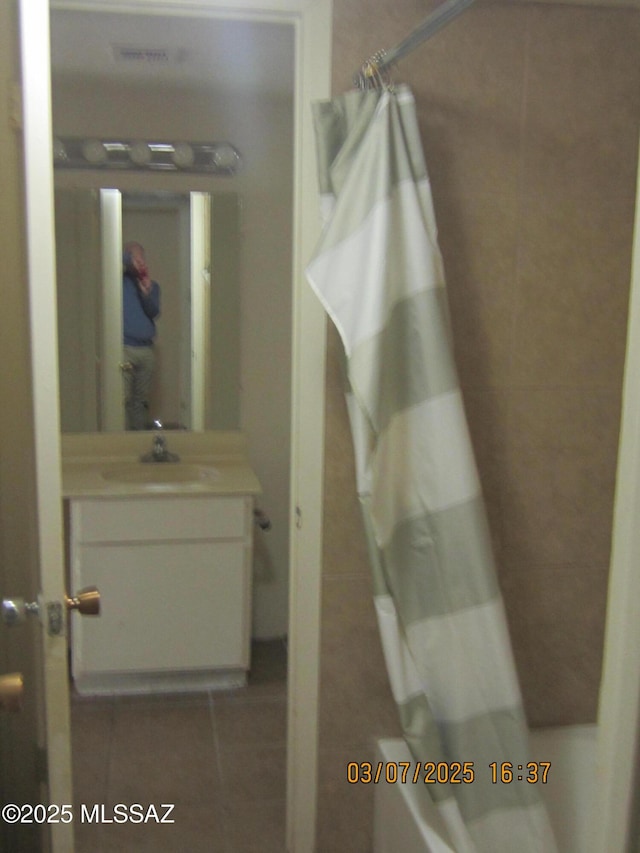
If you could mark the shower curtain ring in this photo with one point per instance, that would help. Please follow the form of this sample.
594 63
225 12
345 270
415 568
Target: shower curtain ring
374 74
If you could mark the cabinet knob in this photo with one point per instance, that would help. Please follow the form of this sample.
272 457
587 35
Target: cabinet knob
11 691
86 601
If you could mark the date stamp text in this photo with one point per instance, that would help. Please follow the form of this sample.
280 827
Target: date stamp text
445 772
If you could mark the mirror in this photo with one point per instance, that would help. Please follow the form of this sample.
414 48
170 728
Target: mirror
216 79
192 244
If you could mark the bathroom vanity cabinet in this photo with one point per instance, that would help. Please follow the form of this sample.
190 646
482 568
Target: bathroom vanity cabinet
174 575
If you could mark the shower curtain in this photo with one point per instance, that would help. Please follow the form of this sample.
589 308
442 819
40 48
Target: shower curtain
378 272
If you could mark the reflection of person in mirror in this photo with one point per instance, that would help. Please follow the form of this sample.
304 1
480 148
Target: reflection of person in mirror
140 307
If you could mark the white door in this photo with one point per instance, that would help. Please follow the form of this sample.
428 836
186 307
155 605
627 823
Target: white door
50 689
312 20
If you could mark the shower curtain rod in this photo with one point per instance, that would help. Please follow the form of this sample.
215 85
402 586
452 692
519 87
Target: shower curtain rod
439 18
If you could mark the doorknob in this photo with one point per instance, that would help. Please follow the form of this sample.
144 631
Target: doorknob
11 690
86 602
16 610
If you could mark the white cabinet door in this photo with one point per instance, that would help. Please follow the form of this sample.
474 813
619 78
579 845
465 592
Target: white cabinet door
174 576
166 606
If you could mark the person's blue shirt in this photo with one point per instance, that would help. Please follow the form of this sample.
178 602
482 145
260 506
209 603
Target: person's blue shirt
139 312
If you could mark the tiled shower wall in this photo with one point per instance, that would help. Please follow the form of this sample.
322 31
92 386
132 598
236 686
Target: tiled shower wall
529 116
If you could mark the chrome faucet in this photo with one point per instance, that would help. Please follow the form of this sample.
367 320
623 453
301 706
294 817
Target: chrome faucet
159 451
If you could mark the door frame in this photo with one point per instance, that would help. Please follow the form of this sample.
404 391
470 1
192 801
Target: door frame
311 20
41 273
618 741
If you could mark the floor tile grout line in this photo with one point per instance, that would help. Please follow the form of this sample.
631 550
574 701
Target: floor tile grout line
209 700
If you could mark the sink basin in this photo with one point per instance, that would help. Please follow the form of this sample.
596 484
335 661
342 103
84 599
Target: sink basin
159 473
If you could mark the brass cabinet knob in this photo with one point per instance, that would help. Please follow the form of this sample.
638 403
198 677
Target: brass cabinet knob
11 691
86 601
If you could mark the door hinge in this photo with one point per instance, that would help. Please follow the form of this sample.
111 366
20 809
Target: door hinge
15 106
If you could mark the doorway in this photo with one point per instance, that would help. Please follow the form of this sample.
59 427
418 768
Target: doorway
263 132
312 26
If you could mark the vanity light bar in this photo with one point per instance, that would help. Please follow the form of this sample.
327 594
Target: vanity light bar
217 158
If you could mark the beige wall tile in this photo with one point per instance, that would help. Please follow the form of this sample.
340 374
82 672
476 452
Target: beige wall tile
479 242
556 617
573 291
584 420
582 102
557 508
469 83
356 703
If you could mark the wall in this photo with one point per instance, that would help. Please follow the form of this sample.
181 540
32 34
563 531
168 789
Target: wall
262 129
529 116
78 250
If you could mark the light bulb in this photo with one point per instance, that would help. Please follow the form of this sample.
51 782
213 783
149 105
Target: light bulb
183 155
225 157
140 153
94 152
59 151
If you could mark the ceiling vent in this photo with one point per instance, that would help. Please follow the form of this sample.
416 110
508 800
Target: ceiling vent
135 55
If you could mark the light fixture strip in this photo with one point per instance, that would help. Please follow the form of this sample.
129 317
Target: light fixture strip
217 158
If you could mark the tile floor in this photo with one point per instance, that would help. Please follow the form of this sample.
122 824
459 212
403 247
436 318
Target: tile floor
220 757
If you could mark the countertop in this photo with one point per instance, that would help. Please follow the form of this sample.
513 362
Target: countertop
89 461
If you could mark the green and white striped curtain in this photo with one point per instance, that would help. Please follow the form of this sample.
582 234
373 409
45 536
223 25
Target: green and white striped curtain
378 272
